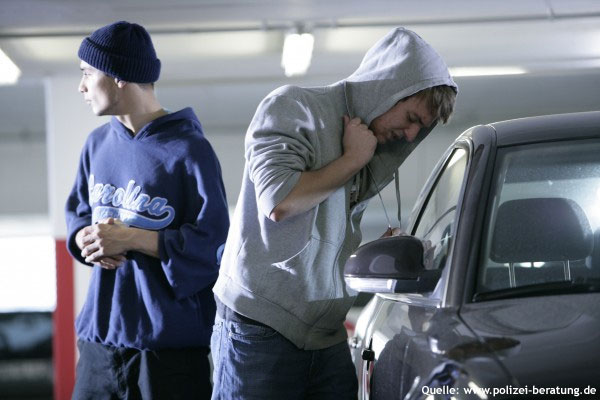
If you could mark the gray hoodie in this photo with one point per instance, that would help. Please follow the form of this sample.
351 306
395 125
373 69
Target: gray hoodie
289 274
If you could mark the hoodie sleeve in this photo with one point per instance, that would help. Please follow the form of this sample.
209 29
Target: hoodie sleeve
278 149
77 209
190 256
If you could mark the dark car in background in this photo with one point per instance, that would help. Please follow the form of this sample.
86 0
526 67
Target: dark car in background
26 370
496 292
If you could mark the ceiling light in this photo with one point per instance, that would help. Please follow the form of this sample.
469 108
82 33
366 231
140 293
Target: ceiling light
486 71
297 53
9 72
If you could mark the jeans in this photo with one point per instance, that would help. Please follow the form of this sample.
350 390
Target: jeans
255 362
105 372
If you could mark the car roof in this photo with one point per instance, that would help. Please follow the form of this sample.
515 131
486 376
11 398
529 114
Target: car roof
547 128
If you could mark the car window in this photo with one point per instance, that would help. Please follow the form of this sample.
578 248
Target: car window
435 227
543 219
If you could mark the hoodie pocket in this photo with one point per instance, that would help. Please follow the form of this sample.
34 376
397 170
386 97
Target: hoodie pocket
303 284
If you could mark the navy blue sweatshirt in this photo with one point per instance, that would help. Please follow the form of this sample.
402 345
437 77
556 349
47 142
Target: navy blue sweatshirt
166 178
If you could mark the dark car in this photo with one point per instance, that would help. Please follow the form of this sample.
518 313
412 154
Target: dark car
496 293
26 368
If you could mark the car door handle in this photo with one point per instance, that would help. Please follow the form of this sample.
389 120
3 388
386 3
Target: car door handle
368 355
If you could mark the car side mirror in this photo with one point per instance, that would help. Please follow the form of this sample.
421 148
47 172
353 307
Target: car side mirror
390 265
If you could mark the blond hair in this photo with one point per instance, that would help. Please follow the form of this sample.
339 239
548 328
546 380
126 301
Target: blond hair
440 101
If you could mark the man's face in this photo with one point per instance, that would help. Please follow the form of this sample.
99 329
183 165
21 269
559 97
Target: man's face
99 90
404 120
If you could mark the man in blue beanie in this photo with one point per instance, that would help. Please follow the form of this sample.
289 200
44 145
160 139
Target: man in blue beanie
148 213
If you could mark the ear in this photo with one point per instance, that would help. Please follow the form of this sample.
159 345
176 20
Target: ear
120 84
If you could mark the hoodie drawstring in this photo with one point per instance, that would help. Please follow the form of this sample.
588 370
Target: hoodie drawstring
397 183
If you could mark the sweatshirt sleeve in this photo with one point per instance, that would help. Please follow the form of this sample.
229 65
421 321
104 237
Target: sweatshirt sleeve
77 209
278 149
190 256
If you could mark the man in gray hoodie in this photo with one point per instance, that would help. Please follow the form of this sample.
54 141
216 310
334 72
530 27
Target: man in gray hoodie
314 157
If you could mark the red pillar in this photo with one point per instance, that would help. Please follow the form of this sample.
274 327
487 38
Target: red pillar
63 339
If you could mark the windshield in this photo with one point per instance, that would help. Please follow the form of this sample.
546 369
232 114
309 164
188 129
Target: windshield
543 222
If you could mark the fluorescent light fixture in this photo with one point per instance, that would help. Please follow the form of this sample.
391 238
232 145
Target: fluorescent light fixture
9 72
297 53
486 71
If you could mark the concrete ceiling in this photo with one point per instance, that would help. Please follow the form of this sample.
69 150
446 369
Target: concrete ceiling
206 39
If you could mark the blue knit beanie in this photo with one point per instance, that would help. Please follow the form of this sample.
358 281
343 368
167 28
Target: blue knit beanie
122 50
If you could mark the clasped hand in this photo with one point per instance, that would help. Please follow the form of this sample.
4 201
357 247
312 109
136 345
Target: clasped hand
104 244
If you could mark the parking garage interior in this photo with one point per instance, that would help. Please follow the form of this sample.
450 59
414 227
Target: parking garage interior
510 59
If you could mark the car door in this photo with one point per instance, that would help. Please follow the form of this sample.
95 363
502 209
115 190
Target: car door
398 341
536 280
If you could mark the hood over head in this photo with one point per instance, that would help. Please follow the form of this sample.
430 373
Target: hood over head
399 65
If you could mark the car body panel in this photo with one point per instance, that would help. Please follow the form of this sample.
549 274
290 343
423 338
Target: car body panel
544 329
548 128
416 347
